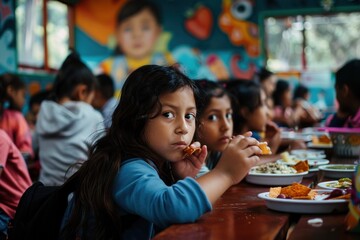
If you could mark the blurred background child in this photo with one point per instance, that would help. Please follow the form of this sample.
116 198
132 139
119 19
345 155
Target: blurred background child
104 99
251 112
12 120
67 125
14 180
347 87
138 27
310 115
215 119
268 80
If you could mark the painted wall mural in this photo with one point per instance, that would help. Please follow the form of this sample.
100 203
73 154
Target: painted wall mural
7 36
209 39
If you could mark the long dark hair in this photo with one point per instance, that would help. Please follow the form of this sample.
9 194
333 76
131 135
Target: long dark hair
139 102
133 7
72 72
246 94
281 87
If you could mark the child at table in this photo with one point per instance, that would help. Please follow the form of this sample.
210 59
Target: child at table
139 168
215 119
14 180
251 113
138 27
12 121
67 124
347 87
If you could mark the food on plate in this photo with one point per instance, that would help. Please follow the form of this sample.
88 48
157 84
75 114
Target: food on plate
339 194
189 150
302 192
323 139
341 183
274 168
265 150
301 166
285 156
294 191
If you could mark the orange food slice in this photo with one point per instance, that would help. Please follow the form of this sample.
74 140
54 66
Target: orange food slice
190 151
265 150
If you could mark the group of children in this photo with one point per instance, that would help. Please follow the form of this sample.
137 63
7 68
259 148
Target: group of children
133 178
137 167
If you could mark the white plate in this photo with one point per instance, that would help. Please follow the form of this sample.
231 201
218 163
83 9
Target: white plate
271 179
321 146
312 163
306 206
338 170
295 136
325 185
308 154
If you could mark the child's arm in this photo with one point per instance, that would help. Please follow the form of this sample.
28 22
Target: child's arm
235 163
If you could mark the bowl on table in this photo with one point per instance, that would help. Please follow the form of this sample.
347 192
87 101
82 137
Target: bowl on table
338 170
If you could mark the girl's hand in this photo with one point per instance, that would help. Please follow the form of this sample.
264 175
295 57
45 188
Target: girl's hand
191 165
240 155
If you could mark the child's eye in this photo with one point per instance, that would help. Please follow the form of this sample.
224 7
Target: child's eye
229 115
145 28
190 116
212 117
168 114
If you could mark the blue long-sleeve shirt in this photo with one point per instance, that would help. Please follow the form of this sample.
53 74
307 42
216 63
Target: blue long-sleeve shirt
138 190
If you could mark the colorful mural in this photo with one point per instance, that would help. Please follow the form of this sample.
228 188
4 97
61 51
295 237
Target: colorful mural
7 36
194 33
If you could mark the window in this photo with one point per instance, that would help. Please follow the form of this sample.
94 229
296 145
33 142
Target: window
311 42
43 34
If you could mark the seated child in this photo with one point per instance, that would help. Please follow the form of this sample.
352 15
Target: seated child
215 119
347 87
137 180
67 124
14 180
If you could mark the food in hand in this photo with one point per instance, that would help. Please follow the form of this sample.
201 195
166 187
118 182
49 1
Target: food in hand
265 150
189 150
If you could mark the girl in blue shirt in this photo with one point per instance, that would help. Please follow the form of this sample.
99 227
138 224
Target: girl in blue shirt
137 180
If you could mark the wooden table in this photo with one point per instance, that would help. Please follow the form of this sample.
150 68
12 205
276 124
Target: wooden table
240 214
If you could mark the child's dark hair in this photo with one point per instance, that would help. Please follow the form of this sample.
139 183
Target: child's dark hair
300 92
133 7
39 97
105 85
207 90
10 80
139 102
281 87
247 93
349 74
264 74
72 73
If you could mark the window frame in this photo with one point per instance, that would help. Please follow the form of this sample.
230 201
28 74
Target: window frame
46 68
293 13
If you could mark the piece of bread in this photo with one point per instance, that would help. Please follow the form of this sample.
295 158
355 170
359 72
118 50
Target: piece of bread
301 166
190 151
265 150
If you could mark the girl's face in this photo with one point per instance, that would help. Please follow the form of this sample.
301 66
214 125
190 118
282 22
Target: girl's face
137 35
287 98
216 124
18 97
170 132
269 85
256 120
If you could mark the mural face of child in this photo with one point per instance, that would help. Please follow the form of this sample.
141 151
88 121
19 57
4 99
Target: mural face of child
137 35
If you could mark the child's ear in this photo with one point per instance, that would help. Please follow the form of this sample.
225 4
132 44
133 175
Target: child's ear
80 92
